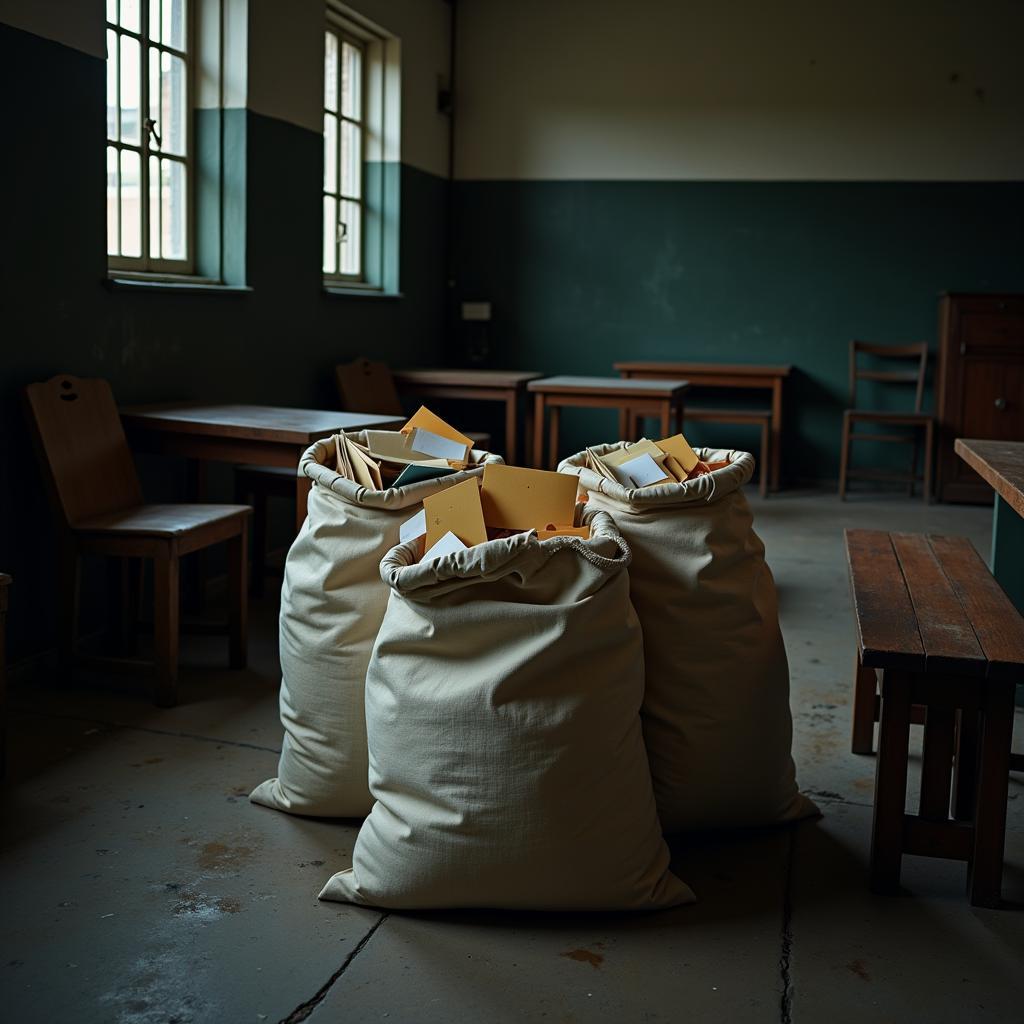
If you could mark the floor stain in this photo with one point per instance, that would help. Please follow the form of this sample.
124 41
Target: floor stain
221 857
859 968
205 908
148 760
585 956
864 784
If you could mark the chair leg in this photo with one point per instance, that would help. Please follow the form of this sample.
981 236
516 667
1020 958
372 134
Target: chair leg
762 479
166 579
864 693
260 531
891 783
67 598
238 603
844 458
553 418
913 466
929 444
985 871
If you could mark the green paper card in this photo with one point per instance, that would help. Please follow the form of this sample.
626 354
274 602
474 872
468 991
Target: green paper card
417 474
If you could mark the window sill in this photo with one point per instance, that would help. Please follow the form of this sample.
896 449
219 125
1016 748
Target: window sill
118 282
355 291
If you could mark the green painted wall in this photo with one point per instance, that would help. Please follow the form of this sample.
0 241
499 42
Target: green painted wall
582 274
276 344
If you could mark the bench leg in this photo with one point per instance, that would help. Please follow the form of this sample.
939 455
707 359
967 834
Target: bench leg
762 479
937 762
929 444
864 687
67 598
844 458
985 872
891 783
965 774
166 624
238 622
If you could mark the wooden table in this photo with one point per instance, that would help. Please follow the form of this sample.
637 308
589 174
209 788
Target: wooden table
725 375
661 398
260 435
486 385
1001 465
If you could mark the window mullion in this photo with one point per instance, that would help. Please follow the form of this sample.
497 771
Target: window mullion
144 131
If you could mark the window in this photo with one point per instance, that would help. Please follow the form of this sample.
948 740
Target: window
149 143
344 125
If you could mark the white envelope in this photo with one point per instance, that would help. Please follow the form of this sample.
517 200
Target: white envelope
640 472
436 446
447 545
413 528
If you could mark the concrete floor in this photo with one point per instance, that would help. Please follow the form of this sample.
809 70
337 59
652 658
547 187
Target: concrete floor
140 886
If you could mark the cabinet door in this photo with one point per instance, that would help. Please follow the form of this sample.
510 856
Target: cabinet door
993 399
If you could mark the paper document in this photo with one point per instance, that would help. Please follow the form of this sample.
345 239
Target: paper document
447 545
678 447
413 528
527 499
417 473
391 446
456 510
641 471
425 419
436 446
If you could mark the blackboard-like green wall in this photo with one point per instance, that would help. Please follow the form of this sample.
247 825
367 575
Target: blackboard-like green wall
582 274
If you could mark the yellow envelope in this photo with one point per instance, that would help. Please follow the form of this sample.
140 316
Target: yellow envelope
594 462
526 499
365 470
565 531
672 466
456 509
680 450
633 451
426 420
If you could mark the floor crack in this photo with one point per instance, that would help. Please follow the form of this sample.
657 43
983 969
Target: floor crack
303 1010
786 952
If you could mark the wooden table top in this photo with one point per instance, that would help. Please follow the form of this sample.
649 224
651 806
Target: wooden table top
504 379
696 369
610 386
252 422
999 463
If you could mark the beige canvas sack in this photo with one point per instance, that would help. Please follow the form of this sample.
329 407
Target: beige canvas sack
506 756
332 603
716 714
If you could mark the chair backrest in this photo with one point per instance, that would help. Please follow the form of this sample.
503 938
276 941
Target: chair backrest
365 386
916 376
78 435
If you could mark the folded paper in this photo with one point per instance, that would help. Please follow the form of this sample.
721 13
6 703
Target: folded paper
526 499
426 420
678 447
437 446
413 528
447 545
456 510
417 473
641 471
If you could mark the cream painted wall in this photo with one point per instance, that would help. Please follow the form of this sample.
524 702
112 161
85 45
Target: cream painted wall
74 23
740 89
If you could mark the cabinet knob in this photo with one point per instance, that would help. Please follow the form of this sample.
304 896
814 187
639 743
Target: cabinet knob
1000 404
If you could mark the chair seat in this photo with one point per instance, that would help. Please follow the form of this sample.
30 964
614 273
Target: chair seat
160 520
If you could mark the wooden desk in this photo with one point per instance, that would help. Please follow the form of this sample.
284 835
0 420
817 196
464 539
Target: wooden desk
725 375
661 398
260 435
1001 465
487 385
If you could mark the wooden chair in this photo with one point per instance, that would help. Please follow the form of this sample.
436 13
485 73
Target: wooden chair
915 420
96 494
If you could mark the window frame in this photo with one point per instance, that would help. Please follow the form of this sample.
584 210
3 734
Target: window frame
146 265
337 25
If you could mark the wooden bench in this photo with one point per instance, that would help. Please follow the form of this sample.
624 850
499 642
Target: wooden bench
761 418
937 632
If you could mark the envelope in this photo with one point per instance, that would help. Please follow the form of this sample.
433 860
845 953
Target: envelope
633 451
447 545
595 463
365 470
527 499
680 450
672 466
425 419
641 471
395 447
437 446
415 474
456 510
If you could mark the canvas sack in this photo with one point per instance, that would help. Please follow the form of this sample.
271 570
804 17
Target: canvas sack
506 756
716 714
332 603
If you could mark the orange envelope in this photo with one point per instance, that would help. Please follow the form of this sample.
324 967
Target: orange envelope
527 499
680 450
457 510
426 420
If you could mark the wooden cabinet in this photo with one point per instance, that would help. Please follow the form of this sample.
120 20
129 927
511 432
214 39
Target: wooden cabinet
980 392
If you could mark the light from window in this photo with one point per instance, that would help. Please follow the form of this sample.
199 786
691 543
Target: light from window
343 156
148 145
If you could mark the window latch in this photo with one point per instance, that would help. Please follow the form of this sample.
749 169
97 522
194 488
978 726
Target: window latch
342 231
151 129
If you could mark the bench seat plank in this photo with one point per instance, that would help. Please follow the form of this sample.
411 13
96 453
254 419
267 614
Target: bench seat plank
997 623
886 624
950 643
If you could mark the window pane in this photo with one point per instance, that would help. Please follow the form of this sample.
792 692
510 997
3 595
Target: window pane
131 204
154 207
173 210
112 11
351 143
154 20
112 243
330 235
130 15
155 111
174 23
331 71
351 238
330 153
130 83
173 112
351 81
111 84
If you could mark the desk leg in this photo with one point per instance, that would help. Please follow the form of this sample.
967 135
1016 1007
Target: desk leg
538 431
666 418
1007 561
624 434
193 582
303 485
511 403
553 436
776 433
680 416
